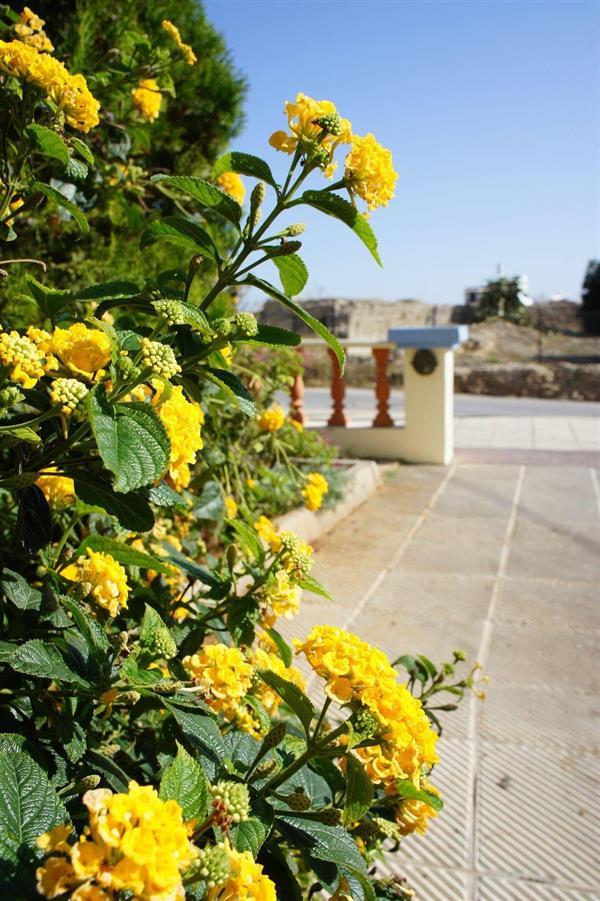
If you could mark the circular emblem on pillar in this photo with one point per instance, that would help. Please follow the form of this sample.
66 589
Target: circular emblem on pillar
424 362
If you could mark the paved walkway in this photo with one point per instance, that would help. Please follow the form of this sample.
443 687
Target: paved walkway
504 562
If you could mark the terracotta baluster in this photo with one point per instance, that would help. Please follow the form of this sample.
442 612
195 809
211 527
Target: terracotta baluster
382 388
338 392
297 400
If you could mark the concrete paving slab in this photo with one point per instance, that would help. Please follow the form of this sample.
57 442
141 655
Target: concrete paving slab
556 495
556 552
490 889
417 593
428 883
456 544
537 817
556 603
489 492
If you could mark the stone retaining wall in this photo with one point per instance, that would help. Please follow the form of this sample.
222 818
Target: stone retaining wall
552 380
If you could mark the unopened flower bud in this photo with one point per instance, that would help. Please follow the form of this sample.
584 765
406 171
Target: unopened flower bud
298 800
9 396
292 231
69 393
160 358
233 798
330 123
256 200
89 782
212 865
246 324
275 736
330 816
222 327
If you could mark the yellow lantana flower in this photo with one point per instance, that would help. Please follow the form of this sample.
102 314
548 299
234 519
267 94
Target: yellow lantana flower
30 30
174 33
316 487
268 533
223 674
271 420
22 356
281 597
268 660
232 184
246 881
183 422
81 349
413 815
231 507
58 490
106 578
304 127
147 98
370 171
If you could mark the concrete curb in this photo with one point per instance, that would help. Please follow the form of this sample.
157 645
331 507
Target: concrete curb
364 478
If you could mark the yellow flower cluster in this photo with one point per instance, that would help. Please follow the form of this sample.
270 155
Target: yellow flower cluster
265 658
231 507
246 880
267 531
316 488
174 33
223 674
271 420
69 93
232 184
147 98
413 815
303 119
58 490
81 349
23 358
370 171
106 578
355 671
183 422
134 843
281 597
30 30
43 341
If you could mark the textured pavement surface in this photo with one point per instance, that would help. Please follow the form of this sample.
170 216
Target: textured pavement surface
501 559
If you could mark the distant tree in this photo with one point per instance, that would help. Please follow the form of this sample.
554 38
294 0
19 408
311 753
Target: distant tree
590 298
501 299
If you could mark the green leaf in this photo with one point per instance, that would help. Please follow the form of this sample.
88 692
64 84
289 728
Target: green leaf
116 777
181 231
272 334
429 666
123 553
131 439
47 143
242 617
23 433
330 843
292 695
155 638
29 806
191 568
336 206
292 272
407 789
50 300
309 320
76 171
83 150
234 388
357 880
309 583
93 634
105 290
249 540
243 164
359 791
206 194
20 592
201 730
61 200
132 510
184 781
250 835
285 651
163 495
38 658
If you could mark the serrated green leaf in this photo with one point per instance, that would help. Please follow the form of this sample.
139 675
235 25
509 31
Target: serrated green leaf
330 843
29 806
83 150
249 539
131 439
93 634
163 495
122 552
336 206
23 433
309 583
61 200
38 658
191 568
108 289
48 143
201 731
181 231
132 510
50 300
244 164
292 272
272 334
206 194
407 789
293 696
184 781
359 791
312 323
233 387
250 835
76 171
20 592
285 651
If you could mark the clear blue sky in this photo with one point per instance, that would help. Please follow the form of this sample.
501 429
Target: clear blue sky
490 109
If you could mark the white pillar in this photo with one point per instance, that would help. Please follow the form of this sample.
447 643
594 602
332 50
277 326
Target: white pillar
429 409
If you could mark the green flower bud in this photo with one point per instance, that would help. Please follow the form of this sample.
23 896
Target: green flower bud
366 723
330 816
459 656
9 396
292 231
160 358
387 828
127 368
234 798
330 123
69 393
275 736
212 865
256 200
285 248
298 800
321 156
246 324
223 327
170 311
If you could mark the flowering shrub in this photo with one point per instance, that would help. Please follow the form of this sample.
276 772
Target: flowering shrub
157 739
